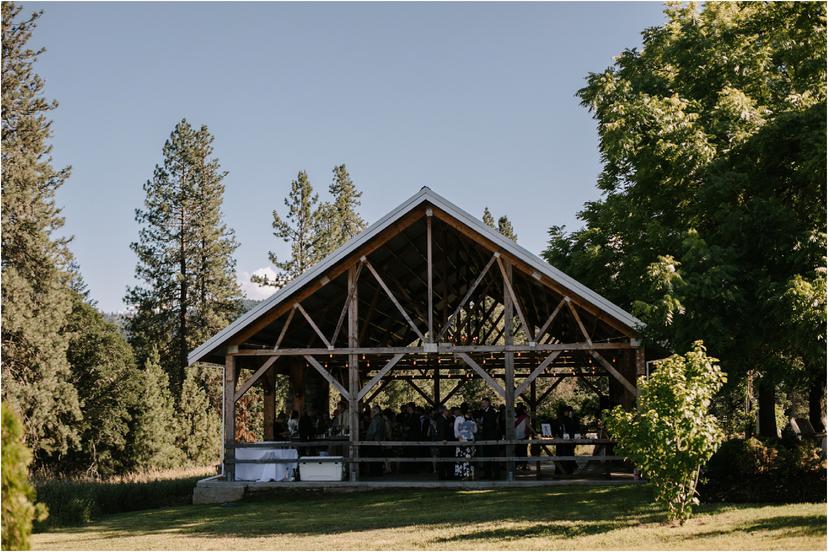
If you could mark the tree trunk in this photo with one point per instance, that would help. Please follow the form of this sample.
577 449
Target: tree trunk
816 404
767 408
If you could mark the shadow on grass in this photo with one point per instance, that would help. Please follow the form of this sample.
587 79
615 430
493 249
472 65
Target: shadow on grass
788 526
590 509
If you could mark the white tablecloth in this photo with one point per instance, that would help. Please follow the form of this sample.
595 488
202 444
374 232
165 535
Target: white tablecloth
265 472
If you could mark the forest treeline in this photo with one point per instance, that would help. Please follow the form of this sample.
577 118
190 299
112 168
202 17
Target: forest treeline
711 226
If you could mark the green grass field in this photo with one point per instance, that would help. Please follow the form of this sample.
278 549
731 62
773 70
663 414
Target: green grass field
619 517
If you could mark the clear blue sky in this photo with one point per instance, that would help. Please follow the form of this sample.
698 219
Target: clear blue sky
475 101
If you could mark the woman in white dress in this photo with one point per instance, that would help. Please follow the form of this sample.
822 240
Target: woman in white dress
464 430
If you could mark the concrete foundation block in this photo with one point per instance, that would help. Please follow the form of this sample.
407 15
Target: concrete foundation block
217 495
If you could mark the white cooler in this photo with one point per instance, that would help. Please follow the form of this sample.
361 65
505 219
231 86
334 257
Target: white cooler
320 468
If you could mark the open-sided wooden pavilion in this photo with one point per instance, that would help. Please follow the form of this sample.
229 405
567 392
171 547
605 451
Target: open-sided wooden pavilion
432 296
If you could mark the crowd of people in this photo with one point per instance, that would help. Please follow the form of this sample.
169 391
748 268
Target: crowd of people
422 425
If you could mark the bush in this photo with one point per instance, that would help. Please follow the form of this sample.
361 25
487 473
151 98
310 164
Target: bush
672 434
76 502
18 495
781 470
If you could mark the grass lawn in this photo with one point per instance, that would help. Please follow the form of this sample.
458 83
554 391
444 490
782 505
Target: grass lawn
618 517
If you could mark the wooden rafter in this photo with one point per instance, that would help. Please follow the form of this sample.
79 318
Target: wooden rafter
469 293
351 292
483 374
577 318
429 268
393 298
314 326
285 328
417 388
373 381
508 285
551 318
377 390
327 375
254 378
615 373
537 371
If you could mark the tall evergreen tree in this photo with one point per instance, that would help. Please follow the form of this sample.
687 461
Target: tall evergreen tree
152 442
198 425
300 229
106 378
35 263
339 220
503 224
185 263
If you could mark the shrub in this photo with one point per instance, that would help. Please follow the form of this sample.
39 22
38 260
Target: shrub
781 470
19 509
75 502
672 434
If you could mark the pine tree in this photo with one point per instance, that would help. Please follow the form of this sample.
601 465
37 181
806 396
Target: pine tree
106 378
300 228
503 225
339 220
198 426
35 263
152 436
185 263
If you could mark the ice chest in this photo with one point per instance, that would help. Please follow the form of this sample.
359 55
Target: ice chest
320 468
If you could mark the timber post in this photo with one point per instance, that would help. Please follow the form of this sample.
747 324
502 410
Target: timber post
509 366
353 376
229 408
269 395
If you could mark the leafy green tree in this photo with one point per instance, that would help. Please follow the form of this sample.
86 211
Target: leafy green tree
713 143
35 263
300 229
19 508
198 426
105 376
672 434
152 434
188 287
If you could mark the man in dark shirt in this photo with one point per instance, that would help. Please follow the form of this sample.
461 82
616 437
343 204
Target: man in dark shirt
489 431
445 432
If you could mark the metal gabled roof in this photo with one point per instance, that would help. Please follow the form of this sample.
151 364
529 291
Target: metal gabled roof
423 196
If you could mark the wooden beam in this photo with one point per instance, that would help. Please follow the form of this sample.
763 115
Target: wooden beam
314 326
549 320
615 373
459 385
549 389
385 369
353 376
350 297
442 348
577 318
285 328
468 294
416 388
507 283
393 299
537 371
254 378
429 266
383 384
229 421
483 374
528 271
327 375
301 294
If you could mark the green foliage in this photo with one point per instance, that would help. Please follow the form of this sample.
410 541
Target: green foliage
153 435
35 263
188 289
672 433
198 425
105 377
339 220
713 216
754 471
76 502
503 225
19 509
